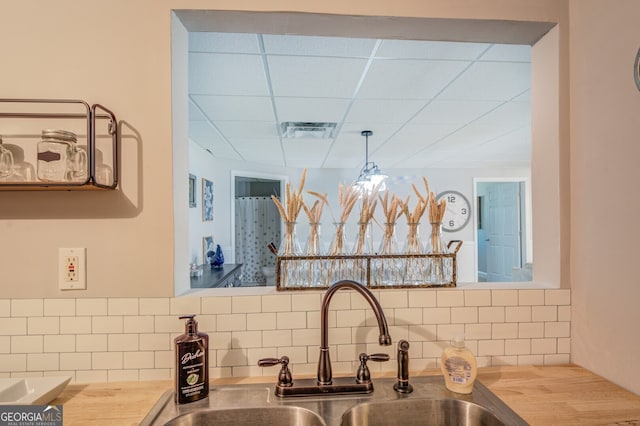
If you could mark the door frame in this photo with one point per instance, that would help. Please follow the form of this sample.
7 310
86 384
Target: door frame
527 238
255 175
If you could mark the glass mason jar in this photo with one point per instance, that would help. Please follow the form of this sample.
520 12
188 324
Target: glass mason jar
290 246
6 161
59 158
312 269
338 269
415 267
387 271
364 243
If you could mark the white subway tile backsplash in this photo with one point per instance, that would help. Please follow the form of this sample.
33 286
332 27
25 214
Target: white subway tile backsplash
244 304
478 331
91 342
246 339
530 330
564 313
306 301
5 308
393 299
122 306
490 347
106 360
491 314
59 307
99 339
59 343
5 344
266 321
291 320
477 298
13 326
276 303
143 359
543 346
43 325
518 314
557 329
75 325
531 297
544 313
277 338
504 331
350 318
504 297
122 375
557 297
232 358
91 307
75 361
139 324
447 298
26 308
422 299
106 324
436 315
43 362
123 342
184 306
464 315
91 376
154 306
155 341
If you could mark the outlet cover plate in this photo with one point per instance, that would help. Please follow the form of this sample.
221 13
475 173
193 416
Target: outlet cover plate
72 268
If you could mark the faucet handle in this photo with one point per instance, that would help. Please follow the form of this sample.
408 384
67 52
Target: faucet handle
363 375
284 376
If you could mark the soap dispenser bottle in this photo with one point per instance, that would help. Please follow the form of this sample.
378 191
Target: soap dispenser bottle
459 367
192 363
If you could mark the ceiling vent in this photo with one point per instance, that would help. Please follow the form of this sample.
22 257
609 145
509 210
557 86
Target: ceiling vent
307 130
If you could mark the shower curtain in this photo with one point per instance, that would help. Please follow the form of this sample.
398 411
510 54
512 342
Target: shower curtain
257 224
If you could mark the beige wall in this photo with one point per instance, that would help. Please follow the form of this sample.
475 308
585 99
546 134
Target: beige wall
118 53
605 149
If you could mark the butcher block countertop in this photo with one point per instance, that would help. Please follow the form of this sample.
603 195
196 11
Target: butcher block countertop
541 395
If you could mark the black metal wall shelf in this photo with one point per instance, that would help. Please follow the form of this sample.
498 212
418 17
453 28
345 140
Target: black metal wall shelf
21 125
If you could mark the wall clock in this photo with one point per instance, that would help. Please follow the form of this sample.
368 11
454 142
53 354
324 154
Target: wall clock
458 211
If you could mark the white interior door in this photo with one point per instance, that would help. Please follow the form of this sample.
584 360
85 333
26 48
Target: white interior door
502 229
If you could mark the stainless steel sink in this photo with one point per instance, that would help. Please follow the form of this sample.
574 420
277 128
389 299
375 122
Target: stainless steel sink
420 412
277 416
429 403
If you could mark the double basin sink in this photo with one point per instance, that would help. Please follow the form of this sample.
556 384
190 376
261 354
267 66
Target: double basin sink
429 404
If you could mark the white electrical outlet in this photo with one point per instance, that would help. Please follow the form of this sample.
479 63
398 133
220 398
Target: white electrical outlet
72 268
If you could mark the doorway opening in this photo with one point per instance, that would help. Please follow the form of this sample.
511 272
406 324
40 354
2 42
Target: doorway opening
255 223
503 230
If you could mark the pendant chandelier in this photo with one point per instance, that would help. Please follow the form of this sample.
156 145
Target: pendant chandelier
370 175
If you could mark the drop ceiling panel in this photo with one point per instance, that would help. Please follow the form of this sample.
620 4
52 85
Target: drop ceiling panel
408 79
247 129
305 151
221 74
454 112
314 77
384 110
499 81
194 113
217 108
311 109
430 50
508 52
202 128
223 42
415 137
511 114
318 46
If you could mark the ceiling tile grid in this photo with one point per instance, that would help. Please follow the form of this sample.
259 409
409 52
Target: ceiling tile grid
430 104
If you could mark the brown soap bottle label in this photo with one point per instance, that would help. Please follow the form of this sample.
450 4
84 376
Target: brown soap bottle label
193 383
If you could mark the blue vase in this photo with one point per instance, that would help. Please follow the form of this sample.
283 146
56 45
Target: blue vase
218 258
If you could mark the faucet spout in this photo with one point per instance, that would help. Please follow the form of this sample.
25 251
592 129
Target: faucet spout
324 363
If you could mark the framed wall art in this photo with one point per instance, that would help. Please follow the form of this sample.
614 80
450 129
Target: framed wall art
192 190
207 200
